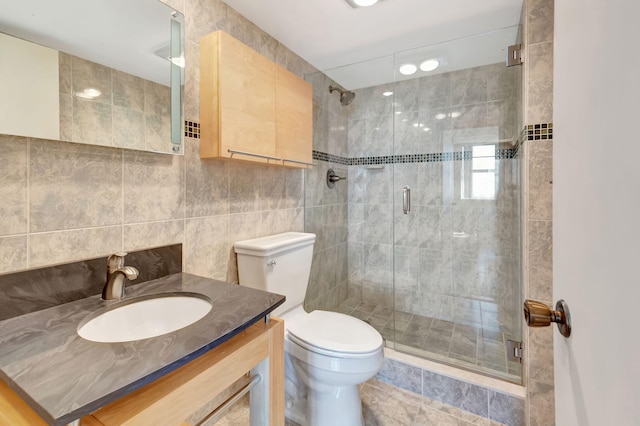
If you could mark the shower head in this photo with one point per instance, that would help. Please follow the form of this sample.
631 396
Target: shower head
346 96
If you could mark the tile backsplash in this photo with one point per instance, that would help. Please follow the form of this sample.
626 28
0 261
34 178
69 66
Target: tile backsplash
37 289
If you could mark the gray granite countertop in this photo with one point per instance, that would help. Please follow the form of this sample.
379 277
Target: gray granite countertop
64 377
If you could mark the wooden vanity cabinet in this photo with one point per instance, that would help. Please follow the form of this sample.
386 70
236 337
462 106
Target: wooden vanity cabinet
248 104
172 398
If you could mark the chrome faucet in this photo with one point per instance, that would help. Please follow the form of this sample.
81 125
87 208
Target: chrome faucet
116 273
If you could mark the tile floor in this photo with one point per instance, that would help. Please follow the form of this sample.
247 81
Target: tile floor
386 405
467 346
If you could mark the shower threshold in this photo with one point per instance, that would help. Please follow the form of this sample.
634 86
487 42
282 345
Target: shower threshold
465 346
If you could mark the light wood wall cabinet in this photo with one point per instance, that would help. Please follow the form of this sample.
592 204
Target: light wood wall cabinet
252 109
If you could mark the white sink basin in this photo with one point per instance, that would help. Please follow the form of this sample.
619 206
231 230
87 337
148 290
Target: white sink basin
145 317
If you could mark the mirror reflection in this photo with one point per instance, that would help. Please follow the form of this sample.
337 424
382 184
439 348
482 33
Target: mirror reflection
100 72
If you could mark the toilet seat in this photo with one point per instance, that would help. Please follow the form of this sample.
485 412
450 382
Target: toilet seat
334 334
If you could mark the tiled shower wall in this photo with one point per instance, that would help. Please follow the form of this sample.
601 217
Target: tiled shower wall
62 202
326 208
456 259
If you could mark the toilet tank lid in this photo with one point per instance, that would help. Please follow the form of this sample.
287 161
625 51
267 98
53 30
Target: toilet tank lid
272 244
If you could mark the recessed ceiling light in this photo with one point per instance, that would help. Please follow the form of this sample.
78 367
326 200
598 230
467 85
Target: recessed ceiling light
455 114
387 93
361 3
440 116
429 65
398 112
407 69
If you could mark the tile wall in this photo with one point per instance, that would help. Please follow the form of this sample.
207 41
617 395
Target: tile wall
326 208
63 202
537 40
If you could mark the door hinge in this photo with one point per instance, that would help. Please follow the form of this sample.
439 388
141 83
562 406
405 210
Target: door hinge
514 351
514 55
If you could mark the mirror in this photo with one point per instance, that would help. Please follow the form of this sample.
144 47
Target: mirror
100 72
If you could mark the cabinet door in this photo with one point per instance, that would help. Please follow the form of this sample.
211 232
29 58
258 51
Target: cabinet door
247 101
237 100
294 116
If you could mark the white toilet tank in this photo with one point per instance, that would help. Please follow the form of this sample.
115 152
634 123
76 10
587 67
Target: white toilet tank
278 263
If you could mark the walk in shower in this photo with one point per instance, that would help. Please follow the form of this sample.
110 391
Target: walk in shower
423 238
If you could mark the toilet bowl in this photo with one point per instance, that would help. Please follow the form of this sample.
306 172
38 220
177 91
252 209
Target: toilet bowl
327 354
331 354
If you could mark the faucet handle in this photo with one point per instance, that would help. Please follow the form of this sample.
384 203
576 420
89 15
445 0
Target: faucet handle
116 261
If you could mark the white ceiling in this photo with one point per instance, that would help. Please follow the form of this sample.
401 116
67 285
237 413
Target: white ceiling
330 33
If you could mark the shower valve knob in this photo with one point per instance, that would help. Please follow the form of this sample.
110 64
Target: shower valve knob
537 314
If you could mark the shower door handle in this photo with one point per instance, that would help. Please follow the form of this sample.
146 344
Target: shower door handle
406 199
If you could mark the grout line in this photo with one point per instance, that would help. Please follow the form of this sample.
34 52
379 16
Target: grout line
28 259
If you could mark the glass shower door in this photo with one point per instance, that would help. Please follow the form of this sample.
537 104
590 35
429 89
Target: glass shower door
456 250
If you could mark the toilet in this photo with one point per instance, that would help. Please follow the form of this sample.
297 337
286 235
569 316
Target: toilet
327 354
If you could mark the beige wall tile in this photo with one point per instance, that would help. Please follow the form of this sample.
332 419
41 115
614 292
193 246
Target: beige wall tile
66 117
540 260
540 21
158 133
152 234
207 247
13 184
203 17
92 122
539 108
73 186
207 183
130 131
157 99
244 187
153 187
245 226
241 28
542 403
89 75
277 221
13 253
540 354
540 180
192 81
65 63
128 91
53 248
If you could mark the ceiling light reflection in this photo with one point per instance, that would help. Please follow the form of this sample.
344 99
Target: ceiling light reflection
429 65
408 69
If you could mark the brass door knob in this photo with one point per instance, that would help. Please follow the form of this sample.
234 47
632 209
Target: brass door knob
537 314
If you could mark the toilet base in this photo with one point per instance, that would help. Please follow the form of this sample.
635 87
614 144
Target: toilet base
343 407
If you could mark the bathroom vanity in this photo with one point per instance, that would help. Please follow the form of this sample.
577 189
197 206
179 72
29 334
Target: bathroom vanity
50 375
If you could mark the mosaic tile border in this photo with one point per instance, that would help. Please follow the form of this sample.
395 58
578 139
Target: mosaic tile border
323 156
540 131
192 129
501 154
